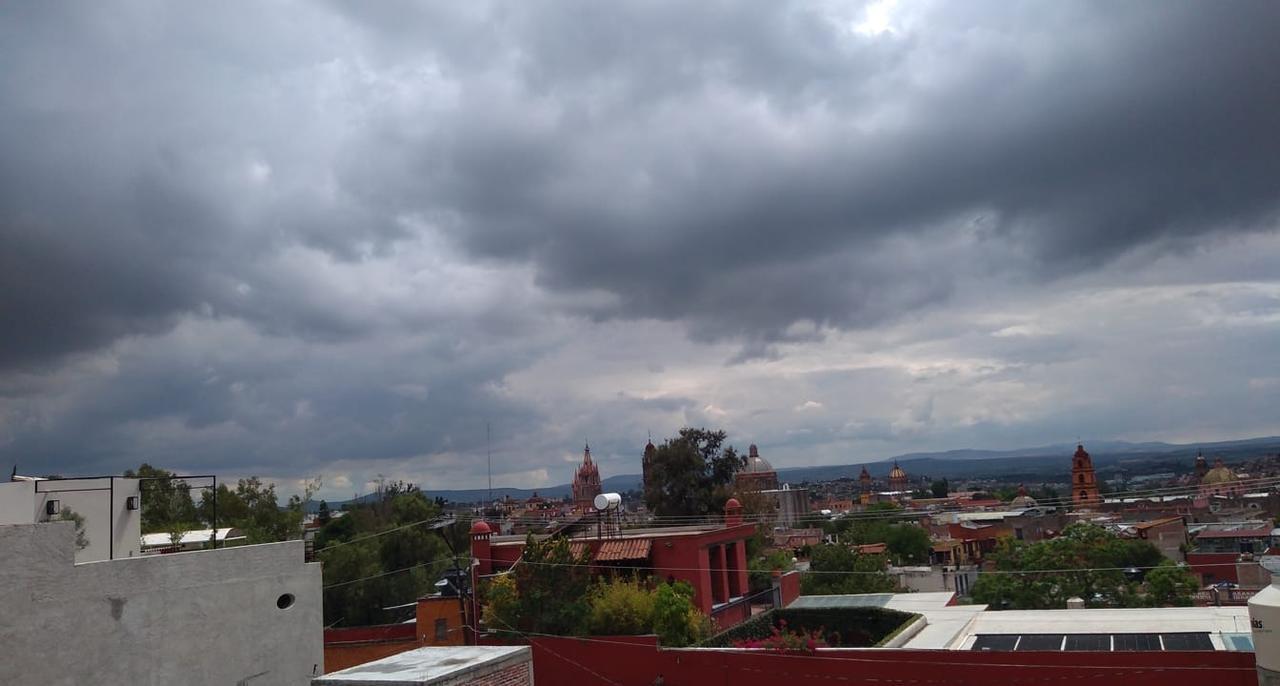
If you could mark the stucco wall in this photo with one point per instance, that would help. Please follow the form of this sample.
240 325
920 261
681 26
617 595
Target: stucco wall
111 529
188 618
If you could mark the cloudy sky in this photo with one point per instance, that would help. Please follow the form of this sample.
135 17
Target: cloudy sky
336 239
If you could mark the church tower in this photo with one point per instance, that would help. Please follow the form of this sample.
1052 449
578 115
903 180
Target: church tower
1084 485
864 486
586 482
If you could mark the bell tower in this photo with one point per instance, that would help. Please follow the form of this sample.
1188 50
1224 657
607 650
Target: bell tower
1084 485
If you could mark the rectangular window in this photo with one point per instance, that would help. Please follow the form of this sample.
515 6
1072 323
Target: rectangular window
442 630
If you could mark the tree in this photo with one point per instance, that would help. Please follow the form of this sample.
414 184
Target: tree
1087 562
1170 585
323 515
675 620
940 489
69 515
691 474
838 569
552 584
620 607
166 502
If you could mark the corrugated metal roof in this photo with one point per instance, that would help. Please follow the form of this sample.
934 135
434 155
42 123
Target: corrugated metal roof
624 549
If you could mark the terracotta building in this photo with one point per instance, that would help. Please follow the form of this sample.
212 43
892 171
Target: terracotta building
1084 484
586 482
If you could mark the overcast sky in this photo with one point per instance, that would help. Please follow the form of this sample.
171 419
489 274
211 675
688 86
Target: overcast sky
336 239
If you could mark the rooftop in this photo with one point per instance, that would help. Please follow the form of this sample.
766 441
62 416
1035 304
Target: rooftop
424 666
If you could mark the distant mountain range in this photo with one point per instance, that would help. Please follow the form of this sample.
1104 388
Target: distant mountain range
1037 464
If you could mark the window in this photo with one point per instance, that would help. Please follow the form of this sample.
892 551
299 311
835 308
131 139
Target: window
442 630
1017 533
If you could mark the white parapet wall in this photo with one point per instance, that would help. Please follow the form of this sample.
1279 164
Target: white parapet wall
247 615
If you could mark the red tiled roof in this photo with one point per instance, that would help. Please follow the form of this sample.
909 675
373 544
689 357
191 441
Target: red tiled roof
873 548
579 548
625 549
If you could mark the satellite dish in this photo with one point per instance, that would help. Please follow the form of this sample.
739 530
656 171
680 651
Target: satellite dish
607 501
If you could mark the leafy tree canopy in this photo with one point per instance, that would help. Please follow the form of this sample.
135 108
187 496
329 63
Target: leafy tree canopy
691 474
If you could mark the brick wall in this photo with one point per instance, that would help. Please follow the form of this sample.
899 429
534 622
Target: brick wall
515 675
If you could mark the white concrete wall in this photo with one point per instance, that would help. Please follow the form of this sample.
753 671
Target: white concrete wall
17 502
207 617
112 530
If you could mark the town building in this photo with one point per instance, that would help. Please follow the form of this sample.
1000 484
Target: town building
111 508
711 558
1084 483
586 482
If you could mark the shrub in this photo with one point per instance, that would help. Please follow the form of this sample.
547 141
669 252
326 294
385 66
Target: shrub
621 607
785 640
676 621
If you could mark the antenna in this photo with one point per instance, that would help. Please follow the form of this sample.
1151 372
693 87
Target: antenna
488 449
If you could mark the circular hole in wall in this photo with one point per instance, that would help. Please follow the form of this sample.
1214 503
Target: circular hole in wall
285 601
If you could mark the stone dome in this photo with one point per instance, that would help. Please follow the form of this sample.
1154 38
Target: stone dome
1220 474
897 472
755 464
480 528
1023 500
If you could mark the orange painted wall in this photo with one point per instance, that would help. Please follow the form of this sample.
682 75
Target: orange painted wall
448 609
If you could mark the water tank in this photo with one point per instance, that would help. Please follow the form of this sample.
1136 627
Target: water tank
608 501
1264 618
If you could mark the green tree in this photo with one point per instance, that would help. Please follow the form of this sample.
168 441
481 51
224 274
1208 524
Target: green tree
69 515
940 488
675 619
166 502
620 607
1086 561
691 474
1170 585
838 569
552 583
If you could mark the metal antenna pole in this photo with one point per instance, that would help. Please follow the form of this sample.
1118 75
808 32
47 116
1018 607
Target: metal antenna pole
489 456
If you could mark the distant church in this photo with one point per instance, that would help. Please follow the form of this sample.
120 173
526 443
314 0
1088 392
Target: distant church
1084 484
586 482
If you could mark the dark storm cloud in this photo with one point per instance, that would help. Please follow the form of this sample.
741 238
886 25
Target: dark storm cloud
381 191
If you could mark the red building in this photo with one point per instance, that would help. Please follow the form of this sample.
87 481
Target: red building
712 559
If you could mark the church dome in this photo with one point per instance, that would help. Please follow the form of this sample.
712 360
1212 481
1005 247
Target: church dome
1023 500
1220 474
897 472
754 464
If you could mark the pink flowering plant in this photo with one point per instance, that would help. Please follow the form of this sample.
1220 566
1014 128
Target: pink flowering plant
784 640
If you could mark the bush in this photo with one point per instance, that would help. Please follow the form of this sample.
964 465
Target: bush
621 607
844 627
675 620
